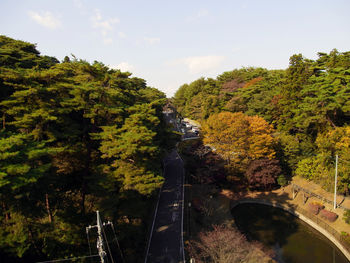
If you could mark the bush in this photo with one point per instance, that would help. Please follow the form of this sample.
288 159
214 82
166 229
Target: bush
318 204
281 180
346 216
330 216
315 207
345 236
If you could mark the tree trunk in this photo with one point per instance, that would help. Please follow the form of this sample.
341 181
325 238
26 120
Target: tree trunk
330 121
7 215
48 208
83 195
3 122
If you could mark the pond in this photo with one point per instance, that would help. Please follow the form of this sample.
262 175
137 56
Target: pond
293 240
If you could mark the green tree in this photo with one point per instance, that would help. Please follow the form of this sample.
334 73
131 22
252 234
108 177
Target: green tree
76 138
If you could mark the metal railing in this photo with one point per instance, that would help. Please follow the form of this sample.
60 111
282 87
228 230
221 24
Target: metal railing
312 194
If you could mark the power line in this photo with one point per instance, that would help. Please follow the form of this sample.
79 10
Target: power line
109 250
67 259
87 234
115 236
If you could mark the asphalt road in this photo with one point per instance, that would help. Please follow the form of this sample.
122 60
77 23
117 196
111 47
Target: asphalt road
166 243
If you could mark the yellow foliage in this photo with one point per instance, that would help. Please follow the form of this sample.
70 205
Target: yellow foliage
239 138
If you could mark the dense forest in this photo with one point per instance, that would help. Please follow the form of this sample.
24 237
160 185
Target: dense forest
281 122
75 137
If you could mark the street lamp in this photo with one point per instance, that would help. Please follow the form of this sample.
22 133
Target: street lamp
335 181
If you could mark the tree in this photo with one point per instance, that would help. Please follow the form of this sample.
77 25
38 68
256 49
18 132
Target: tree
263 173
336 141
76 138
225 244
239 138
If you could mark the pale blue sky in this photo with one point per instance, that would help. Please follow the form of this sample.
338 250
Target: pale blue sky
170 43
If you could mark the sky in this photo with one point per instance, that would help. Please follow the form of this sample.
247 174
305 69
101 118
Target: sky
170 43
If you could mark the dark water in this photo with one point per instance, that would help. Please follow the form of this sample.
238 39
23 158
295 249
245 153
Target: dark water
292 239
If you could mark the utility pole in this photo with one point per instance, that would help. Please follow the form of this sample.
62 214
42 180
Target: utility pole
100 247
100 250
335 181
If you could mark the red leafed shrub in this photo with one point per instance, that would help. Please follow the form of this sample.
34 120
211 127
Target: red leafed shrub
330 216
262 173
315 208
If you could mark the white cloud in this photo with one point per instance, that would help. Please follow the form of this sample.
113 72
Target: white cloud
152 40
105 26
45 19
107 40
121 34
201 13
78 3
200 64
124 66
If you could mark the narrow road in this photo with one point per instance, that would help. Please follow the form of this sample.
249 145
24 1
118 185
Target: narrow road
166 242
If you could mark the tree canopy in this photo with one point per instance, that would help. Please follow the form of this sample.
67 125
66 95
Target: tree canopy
75 137
306 103
239 138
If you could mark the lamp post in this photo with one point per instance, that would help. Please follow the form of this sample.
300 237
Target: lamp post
335 181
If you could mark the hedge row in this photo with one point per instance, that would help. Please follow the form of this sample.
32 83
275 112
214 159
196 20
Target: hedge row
330 216
315 208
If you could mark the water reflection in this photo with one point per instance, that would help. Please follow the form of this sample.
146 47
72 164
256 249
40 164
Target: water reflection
292 240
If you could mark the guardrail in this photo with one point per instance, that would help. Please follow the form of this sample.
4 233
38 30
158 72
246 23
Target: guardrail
336 235
297 187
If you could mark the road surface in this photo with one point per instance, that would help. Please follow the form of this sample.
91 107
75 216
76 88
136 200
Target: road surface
166 241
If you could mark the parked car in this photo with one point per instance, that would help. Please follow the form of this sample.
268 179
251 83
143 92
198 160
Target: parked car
195 129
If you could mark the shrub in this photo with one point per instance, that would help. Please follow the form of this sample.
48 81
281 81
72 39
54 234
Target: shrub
315 209
345 236
346 216
321 206
281 180
330 216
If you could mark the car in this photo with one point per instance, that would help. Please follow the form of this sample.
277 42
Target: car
195 129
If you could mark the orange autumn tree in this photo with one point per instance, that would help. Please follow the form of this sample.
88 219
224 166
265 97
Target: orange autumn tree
239 138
